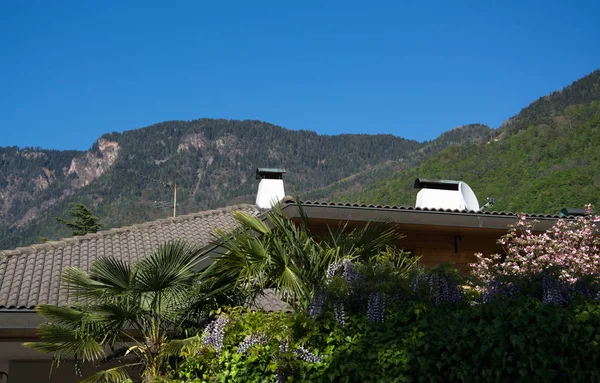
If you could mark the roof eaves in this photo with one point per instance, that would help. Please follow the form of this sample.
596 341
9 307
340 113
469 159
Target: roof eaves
412 215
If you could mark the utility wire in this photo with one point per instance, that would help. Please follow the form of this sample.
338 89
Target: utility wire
151 179
162 183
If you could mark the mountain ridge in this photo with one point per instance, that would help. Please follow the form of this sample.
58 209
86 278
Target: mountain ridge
123 174
544 159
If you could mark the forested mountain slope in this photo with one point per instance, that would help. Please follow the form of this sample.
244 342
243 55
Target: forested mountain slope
543 110
545 159
123 176
463 135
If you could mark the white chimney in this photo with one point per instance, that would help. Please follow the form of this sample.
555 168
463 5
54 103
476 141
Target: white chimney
270 188
445 194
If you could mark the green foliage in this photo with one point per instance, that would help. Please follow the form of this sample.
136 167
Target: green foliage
546 108
425 334
506 341
136 310
523 340
82 220
540 169
283 255
202 363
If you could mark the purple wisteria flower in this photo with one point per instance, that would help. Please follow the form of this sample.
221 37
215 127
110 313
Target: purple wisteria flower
376 305
350 274
316 305
443 290
214 333
250 340
307 356
499 290
331 270
554 291
283 370
340 316
419 280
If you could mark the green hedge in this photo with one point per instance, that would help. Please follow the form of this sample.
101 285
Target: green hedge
506 340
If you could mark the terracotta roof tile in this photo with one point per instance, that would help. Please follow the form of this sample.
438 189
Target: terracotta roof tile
31 275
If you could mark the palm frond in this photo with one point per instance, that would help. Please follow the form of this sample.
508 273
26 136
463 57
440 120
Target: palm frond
108 277
291 286
173 347
114 273
165 277
44 347
112 375
364 241
65 316
65 341
82 287
170 265
251 222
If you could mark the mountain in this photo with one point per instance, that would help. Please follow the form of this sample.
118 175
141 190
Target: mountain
540 160
543 159
463 135
123 175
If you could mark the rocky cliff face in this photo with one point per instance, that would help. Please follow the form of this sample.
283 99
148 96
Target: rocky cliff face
123 176
93 165
36 180
196 140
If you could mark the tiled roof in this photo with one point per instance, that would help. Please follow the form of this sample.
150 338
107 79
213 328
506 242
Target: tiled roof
412 208
269 301
31 275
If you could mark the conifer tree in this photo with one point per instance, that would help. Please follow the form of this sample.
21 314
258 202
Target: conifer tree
83 221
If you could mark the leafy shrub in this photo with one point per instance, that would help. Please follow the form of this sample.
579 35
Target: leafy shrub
246 346
417 335
569 247
505 340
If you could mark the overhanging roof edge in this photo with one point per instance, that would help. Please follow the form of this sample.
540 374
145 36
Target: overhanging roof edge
412 216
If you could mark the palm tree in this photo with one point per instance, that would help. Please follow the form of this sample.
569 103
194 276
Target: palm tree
273 252
125 310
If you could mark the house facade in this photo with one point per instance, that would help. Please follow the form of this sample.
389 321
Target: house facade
32 275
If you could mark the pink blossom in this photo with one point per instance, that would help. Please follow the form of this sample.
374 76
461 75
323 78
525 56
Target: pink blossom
569 245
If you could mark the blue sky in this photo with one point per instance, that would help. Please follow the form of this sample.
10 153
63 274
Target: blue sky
71 71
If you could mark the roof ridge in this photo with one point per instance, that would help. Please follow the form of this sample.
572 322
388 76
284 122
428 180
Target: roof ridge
114 231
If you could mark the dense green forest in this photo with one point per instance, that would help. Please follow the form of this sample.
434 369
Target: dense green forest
543 110
540 169
541 160
464 135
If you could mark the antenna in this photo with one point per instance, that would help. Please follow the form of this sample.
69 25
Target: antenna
490 202
174 199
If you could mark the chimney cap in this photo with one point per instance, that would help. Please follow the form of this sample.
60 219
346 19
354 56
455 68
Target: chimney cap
269 173
429 183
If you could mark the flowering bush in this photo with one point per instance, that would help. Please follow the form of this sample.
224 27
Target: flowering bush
570 247
241 345
374 287
503 341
